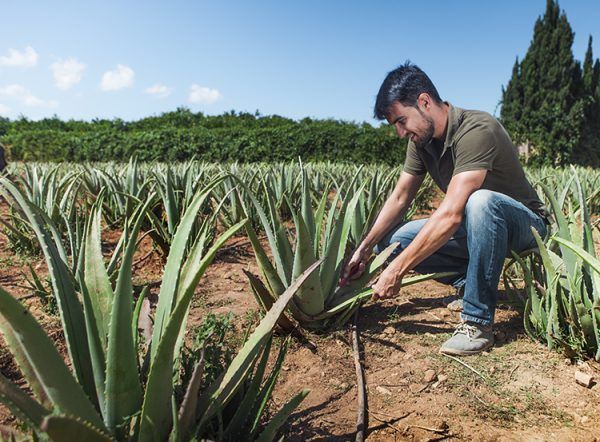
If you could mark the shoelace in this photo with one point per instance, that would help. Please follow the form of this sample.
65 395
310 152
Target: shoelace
465 329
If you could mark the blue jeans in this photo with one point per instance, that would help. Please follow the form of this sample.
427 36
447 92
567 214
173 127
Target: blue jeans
493 224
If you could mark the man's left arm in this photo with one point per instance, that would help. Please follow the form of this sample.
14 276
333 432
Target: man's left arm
438 230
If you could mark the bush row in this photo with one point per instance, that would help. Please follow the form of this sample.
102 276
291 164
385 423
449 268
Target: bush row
182 135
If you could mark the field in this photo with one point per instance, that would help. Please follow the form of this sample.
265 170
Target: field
521 390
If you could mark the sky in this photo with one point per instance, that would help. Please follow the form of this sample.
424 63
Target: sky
318 59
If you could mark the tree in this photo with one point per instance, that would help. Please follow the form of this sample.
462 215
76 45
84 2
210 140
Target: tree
545 104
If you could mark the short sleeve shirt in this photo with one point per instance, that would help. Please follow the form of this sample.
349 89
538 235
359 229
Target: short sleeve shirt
475 140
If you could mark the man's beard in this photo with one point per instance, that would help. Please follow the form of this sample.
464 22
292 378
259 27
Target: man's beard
425 138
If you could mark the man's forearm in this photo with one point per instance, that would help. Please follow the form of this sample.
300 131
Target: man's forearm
391 214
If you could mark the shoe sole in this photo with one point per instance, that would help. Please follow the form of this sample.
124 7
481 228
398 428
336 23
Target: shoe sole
452 352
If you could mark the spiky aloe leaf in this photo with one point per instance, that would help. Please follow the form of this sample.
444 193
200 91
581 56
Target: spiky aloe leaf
218 393
21 404
187 410
170 283
240 421
71 428
310 297
95 274
123 387
71 311
58 383
156 419
272 277
266 301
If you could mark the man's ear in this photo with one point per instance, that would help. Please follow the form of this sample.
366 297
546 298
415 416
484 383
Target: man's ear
424 101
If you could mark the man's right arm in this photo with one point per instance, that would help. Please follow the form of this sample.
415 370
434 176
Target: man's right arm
390 215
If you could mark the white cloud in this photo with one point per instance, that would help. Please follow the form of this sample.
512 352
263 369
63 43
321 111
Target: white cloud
4 110
120 78
204 95
67 72
15 58
158 90
24 96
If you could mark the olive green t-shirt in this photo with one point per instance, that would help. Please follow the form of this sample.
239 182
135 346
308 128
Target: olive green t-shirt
475 140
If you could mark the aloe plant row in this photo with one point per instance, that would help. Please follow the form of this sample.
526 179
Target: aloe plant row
562 283
322 233
110 395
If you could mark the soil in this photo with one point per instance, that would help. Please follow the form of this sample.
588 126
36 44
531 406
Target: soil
517 391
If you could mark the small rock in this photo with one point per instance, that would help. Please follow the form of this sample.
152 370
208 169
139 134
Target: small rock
383 390
430 376
568 361
583 379
492 370
585 420
285 368
389 330
417 388
442 378
343 385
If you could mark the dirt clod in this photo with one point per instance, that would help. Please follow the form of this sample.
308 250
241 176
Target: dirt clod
584 379
429 376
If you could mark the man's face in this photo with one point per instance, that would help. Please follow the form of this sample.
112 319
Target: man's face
411 122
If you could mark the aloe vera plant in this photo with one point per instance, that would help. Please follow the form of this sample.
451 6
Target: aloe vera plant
320 234
563 284
105 397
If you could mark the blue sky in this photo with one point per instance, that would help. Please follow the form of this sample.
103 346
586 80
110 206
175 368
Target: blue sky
322 59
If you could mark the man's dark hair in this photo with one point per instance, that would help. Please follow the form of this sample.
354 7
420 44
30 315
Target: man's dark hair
404 84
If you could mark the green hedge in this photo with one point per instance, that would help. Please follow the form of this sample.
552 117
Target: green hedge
181 135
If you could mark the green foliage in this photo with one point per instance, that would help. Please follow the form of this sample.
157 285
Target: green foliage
181 135
562 278
549 104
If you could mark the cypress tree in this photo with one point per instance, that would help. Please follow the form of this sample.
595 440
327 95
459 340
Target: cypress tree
589 150
551 118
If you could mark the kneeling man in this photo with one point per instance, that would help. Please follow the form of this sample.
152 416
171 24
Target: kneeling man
488 209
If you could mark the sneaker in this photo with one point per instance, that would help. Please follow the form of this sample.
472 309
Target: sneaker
457 304
469 338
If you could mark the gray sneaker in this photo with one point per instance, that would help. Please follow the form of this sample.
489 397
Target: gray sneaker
469 338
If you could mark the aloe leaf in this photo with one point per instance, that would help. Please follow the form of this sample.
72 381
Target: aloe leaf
70 428
123 388
264 395
239 422
187 410
58 383
136 315
281 416
95 274
266 301
273 278
156 419
170 283
310 297
71 311
350 298
21 404
34 382
217 394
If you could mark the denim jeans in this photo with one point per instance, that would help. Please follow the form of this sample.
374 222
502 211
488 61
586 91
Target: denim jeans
493 224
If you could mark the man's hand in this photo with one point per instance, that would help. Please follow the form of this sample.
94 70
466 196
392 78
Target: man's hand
388 284
356 266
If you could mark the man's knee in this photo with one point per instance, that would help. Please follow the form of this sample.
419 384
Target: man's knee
480 203
404 234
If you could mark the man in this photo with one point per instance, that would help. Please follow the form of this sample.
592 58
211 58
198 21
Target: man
488 209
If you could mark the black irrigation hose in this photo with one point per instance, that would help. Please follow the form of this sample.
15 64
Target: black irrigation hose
361 417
